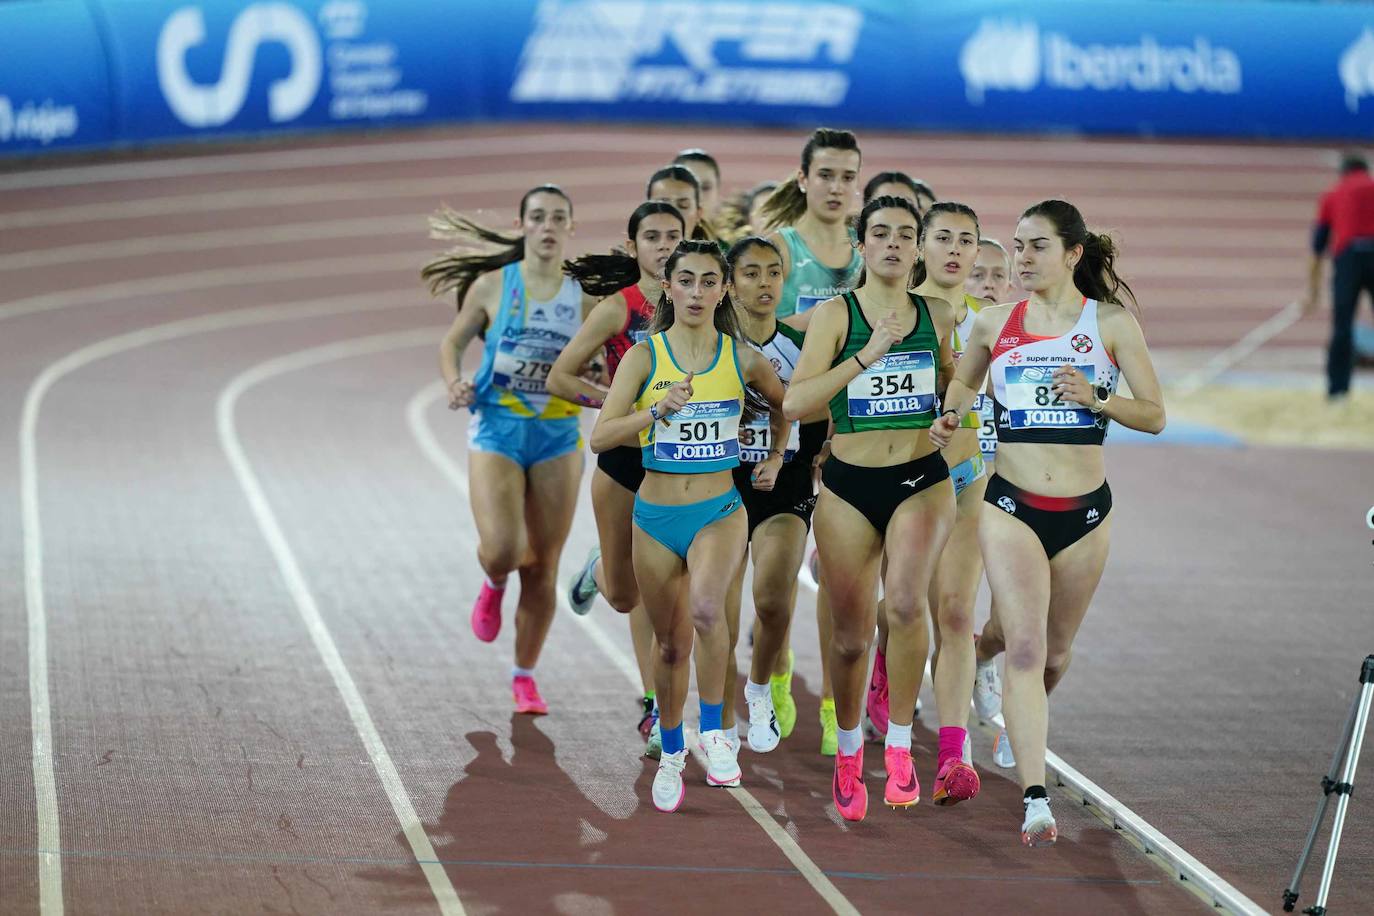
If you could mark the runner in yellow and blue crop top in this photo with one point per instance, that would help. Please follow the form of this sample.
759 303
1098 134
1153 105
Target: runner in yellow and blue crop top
630 283
880 357
1054 360
775 482
525 451
681 395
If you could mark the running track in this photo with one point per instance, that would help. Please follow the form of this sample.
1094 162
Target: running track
240 545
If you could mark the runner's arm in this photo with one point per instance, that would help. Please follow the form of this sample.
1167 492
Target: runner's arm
565 380
619 423
814 382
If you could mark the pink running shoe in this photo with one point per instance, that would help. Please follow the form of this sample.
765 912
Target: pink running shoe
486 613
527 698
851 796
903 789
956 782
877 694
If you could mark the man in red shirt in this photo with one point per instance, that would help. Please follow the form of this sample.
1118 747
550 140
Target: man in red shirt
1345 225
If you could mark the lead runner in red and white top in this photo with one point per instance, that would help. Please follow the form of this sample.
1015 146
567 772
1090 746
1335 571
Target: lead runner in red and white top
1055 359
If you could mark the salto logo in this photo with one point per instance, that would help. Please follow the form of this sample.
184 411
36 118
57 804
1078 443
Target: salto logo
1357 70
628 50
1012 56
197 105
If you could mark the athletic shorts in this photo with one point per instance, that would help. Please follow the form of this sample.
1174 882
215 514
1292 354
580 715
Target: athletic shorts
877 492
1058 521
966 472
676 527
525 441
792 494
624 464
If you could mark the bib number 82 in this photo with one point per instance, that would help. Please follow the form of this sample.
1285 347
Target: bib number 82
1046 398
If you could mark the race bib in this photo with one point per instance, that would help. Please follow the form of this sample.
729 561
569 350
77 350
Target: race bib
755 441
701 432
898 384
987 426
522 366
1033 404
807 303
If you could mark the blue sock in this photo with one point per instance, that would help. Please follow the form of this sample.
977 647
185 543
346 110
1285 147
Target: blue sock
673 740
710 716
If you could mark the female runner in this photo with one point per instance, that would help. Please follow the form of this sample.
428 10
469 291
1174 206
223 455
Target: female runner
525 450
990 279
619 321
678 185
1054 359
880 357
949 245
807 216
681 394
778 517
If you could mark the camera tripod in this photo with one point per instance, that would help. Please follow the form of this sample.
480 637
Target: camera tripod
1342 765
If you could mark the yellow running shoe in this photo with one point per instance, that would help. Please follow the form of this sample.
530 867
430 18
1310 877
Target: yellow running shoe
830 739
784 708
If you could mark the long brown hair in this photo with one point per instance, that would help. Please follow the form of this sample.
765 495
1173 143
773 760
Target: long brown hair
601 275
787 203
459 267
1095 273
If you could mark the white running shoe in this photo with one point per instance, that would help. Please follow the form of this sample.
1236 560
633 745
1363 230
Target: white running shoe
582 590
967 755
668 789
987 690
1001 751
1038 829
653 748
764 733
722 768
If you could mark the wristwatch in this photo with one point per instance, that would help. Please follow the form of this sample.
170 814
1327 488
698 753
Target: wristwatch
1101 395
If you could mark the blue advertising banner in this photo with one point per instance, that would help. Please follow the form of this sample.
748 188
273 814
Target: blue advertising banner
147 70
50 100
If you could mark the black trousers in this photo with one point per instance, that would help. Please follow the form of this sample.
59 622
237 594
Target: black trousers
1354 273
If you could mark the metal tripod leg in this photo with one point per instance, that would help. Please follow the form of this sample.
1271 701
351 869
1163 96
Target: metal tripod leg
1343 766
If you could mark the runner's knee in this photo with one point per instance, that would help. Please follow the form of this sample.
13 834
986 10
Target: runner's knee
1026 653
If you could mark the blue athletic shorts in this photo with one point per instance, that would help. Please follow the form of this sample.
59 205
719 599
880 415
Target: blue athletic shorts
676 527
527 442
966 472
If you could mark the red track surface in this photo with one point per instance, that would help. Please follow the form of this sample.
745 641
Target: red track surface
204 760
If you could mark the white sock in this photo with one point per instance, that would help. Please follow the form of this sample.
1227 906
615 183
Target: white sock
517 671
754 691
851 740
501 587
898 736
733 732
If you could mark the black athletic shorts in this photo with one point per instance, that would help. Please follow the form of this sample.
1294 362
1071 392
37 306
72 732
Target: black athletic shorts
1058 521
624 465
792 494
877 492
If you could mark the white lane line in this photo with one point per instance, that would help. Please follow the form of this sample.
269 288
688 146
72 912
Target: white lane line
40 705
296 584
1242 349
429 444
776 144
1195 876
413 225
452 187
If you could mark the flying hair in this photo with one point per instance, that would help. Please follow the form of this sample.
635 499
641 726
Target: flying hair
602 275
473 255
787 203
